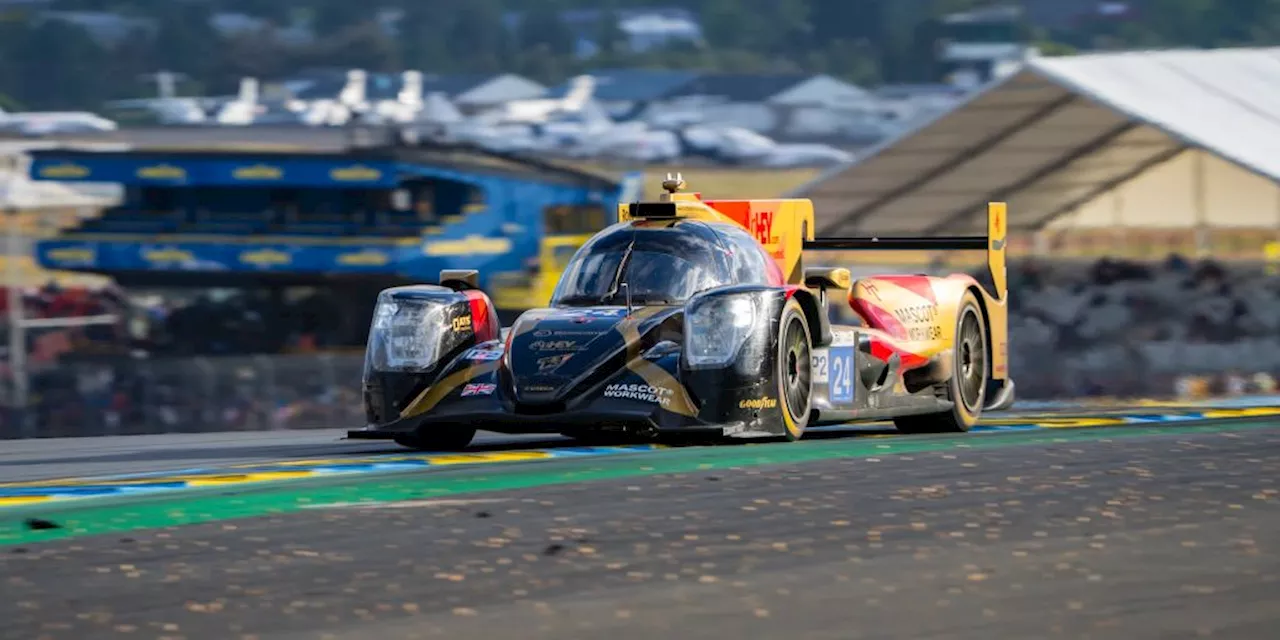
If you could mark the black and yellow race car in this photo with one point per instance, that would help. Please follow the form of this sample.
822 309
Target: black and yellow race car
694 317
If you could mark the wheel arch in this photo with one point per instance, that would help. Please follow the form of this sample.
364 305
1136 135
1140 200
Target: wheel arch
812 314
979 295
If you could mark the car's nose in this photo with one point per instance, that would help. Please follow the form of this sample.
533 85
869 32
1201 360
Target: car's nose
539 389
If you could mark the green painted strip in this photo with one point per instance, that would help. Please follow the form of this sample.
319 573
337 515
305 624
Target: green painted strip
129 515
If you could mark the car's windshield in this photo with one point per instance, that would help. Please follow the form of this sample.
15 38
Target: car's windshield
659 266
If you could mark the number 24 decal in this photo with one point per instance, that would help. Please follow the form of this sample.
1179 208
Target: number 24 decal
841 364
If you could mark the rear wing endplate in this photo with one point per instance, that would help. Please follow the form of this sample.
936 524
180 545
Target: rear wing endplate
994 243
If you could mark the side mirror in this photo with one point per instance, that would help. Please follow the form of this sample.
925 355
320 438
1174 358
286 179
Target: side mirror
460 279
827 278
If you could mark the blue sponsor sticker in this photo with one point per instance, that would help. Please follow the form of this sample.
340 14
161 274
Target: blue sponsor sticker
840 374
481 354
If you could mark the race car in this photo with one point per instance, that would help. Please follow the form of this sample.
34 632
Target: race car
692 317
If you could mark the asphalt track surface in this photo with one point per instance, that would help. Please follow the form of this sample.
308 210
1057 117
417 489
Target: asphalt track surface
45 458
1170 535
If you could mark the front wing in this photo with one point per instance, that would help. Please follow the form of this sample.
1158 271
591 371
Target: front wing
645 397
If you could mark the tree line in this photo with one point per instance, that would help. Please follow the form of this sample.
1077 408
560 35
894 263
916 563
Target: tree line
47 64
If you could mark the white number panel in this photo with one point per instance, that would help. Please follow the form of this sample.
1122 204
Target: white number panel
819 366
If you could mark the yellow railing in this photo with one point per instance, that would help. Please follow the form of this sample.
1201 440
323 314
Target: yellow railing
512 291
523 291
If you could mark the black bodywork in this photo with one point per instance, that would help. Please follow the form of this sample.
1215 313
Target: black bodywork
618 364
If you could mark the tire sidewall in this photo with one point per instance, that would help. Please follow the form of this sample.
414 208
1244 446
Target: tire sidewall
964 415
792 427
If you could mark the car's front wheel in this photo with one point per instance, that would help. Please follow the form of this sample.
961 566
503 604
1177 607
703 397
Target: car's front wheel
795 379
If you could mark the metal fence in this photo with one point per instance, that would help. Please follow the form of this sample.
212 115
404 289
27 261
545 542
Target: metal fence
123 397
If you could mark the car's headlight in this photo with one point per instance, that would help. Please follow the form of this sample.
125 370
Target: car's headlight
716 327
406 333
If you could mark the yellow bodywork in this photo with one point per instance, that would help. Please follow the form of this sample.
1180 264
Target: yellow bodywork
519 291
781 225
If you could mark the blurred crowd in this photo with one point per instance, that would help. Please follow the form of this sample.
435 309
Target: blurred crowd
175 363
139 395
249 322
1109 328
47 345
206 323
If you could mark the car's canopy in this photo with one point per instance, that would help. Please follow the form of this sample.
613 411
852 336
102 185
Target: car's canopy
661 263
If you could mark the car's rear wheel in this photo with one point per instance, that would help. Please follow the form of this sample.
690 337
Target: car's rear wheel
967 388
795 379
438 438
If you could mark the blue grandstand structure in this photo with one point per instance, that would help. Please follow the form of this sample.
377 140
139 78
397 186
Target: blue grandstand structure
385 214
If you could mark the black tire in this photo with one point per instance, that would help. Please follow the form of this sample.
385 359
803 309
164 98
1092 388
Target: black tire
971 372
438 439
793 371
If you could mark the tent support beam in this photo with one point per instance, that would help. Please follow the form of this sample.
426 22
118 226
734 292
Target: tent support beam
952 163
1114 183
999 195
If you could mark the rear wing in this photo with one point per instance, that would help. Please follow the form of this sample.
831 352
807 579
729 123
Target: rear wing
993 242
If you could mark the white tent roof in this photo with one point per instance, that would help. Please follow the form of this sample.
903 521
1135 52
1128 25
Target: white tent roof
1057 134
